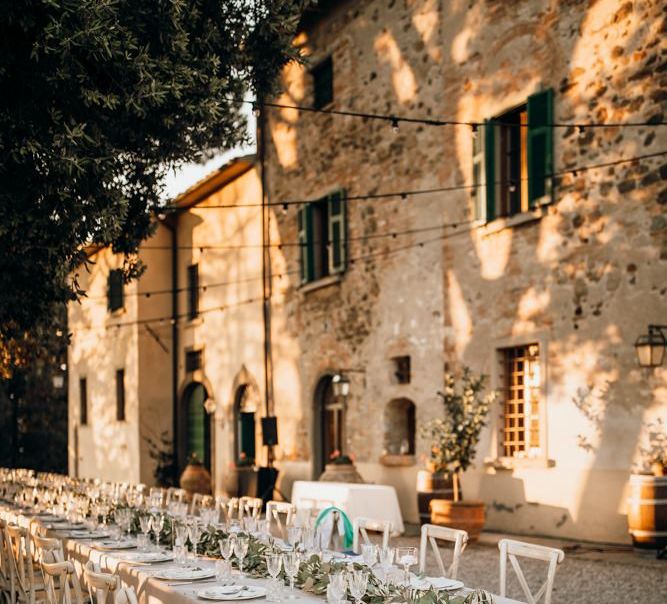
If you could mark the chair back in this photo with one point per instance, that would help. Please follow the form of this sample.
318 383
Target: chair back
250 506
276 509
510 548
200 501
23 584
126 595
361 526
175 494
233 511
100 584
430 535
221 502
61 583
48 549
5 565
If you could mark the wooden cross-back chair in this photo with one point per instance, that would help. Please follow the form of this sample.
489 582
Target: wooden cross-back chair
275 510
26 586
100 584
430 535
361 526
510 548
61 583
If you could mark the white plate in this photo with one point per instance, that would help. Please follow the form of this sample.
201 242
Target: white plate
86 535
230 593
184 574
67 526
444 583
147 557
113 545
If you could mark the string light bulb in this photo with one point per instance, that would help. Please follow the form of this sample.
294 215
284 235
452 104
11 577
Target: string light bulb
394 125
285 208
512 187
580 129
474 130
256 110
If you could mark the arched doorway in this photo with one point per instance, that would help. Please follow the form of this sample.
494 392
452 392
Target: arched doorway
195 430
328 424
245 408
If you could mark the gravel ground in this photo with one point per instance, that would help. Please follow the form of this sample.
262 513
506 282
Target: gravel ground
578 580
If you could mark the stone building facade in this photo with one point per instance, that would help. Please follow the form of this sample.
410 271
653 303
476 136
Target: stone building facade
541 283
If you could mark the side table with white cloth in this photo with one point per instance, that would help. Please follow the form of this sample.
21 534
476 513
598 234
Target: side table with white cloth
356 500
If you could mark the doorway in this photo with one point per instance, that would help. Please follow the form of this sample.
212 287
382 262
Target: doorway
244 426
328 425
196 426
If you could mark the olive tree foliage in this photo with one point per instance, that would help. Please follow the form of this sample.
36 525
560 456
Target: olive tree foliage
100 98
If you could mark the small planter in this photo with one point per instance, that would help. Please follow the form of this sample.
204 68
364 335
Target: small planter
196 479
466 515
341 472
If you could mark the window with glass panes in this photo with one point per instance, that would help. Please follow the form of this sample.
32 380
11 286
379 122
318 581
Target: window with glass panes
323 83
115 289
522 394
513 159
322 227
193 291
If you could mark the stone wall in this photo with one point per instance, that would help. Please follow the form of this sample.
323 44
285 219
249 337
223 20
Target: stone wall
583 276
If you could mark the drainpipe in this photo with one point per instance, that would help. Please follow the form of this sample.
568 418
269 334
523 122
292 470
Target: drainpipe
172 224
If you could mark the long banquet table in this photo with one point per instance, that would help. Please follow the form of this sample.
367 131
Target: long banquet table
140 576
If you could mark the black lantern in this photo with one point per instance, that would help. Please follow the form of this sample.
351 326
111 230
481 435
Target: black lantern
650 347
341 385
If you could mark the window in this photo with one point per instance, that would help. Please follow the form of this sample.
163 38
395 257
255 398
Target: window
193 360
83 401
323 83
522 393
115 289
399 427
193 291
120 395
322 229
513 159
402 369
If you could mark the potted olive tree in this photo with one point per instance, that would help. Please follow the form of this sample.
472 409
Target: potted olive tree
454 440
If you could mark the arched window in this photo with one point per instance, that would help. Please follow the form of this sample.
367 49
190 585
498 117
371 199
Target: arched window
399 427
245 408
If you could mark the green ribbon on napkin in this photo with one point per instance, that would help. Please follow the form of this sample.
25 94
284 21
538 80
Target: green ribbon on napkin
348 534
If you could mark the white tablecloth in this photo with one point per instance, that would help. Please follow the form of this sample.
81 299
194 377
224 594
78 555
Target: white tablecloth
375 501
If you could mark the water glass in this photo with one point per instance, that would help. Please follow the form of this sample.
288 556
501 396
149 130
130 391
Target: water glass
337 588
180 553
223 571
369 553
358 583
294 536
194 532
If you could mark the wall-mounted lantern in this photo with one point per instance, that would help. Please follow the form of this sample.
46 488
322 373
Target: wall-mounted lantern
650 347
210 405
341 385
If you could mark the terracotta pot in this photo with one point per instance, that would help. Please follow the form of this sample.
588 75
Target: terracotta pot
196 479
341 473
432 485
647 511
466 515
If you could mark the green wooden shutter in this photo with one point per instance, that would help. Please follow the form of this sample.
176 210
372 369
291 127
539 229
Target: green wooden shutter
337 233
478 180
306 251
540 146
247 434
490 168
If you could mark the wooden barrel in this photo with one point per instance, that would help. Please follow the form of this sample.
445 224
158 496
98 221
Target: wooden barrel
465 515
647 511
432 485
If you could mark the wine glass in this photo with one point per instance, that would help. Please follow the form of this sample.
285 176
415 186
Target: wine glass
369 552
291 562
157 523
194 532
226 547
273 564
407 557
386 559
240 550
337 587
294 536
358 582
